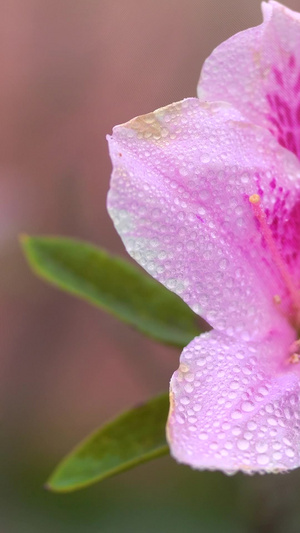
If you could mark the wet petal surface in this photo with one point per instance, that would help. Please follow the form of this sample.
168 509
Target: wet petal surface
180 200
230 410
258 71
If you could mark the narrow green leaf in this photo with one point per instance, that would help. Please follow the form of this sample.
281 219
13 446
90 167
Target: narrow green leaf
133 438
114 285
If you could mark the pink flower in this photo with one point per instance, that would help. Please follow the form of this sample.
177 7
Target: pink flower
205 194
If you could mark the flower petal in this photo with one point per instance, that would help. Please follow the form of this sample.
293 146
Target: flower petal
179 199
231 409
258 71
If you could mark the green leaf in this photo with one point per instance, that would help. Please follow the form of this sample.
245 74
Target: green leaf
133 438
114 285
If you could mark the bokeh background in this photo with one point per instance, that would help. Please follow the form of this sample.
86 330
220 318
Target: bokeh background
70 70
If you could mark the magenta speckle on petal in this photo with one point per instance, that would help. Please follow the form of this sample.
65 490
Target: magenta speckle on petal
278 77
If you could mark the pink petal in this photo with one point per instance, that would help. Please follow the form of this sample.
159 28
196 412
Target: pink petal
258 71
179 199
235 405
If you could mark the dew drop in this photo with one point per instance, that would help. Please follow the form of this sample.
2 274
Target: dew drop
289 452
263 390
245 177
189 377
197 407
184 400
205 158
225 426
262 459
247 406
261 447
236 414
277 456
242 444
180 419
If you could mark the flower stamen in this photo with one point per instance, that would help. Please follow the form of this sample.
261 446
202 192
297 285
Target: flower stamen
255 201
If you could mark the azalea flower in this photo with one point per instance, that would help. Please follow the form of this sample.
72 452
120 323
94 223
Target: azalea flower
205 194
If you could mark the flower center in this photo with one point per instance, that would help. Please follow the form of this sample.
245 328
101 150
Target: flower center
292 289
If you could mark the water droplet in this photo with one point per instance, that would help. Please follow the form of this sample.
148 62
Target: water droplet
203 436
288 413
183 171
236 414
263 390
223 264
289 452
224 453
225 426
261 447
189 377
247 406
184 400
205 158
242 444
245 177
247 370
277 456
180 419
171 283
262 459
197 407
183 367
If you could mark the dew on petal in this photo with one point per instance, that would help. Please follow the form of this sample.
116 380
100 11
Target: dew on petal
262 459
247 406
242 444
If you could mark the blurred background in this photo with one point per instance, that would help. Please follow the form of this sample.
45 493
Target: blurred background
70 71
